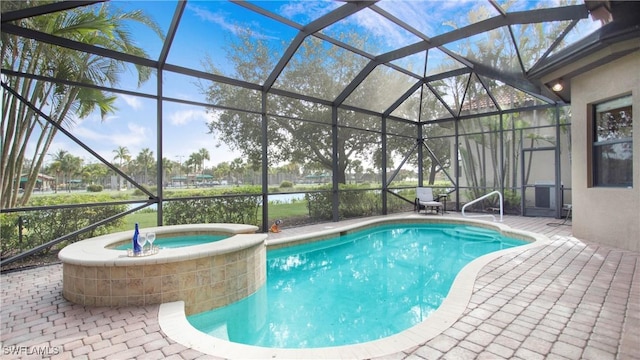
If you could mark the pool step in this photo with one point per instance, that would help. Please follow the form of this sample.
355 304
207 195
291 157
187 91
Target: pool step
476 234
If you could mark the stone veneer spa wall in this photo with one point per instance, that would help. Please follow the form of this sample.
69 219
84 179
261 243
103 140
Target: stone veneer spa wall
203 276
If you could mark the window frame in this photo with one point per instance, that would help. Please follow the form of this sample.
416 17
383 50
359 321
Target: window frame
595 160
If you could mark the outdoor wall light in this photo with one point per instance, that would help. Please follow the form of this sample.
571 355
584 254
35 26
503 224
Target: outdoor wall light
557 86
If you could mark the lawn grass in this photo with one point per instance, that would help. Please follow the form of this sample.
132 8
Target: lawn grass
276 211
286 210
144 219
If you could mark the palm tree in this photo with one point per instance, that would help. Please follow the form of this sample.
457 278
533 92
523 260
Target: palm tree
99 25
192 162
71 165
92 173
195 160
123 157
223 171
146 160
167 169
56 165
203 155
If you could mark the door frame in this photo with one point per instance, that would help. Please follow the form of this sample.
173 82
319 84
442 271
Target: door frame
554 188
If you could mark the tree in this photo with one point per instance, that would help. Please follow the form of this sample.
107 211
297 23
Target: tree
167 169
356 169
73 167
66 164
56 166
191 163
93 173
146 161
222 171
317 71
123 157
25 134
203 155
197 159
237 169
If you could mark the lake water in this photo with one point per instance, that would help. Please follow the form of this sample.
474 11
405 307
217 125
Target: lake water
281 198
285 198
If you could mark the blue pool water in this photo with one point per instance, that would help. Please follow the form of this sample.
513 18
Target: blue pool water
354 288
179 241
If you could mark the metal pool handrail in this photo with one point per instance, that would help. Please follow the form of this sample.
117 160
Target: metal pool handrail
482 198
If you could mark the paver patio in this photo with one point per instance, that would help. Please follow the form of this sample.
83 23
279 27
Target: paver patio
567 300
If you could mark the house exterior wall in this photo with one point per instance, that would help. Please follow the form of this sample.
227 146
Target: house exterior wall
609 216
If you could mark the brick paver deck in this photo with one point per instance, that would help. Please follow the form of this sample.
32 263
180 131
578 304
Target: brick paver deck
567 300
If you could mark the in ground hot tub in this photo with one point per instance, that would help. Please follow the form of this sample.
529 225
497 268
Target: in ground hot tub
204 276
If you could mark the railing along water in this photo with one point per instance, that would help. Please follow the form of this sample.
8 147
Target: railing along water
482 198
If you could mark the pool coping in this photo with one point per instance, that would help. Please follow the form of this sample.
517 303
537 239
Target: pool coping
173 321
96 251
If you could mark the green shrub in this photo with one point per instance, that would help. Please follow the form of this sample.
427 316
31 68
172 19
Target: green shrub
286 184
43 226
138 192
8 231
353 203
94 188
512 201
238 205
319 205
358 203
396 204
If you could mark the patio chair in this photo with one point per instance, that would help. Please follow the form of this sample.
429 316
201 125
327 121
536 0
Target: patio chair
425 200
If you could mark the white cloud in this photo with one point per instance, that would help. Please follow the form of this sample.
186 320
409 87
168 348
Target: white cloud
182 117
382 28
132 101
133 137
110 118
417 17
216 18
220 18
189 134
136 130
307 10
433 18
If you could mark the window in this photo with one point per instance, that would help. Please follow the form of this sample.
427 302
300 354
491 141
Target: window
613 143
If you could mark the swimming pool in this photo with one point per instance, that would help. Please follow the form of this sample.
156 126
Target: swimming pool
179 241
353 288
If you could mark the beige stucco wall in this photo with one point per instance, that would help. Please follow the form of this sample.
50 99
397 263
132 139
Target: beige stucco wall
609 216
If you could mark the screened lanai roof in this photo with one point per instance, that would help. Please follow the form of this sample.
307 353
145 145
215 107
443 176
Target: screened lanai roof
263 63
372 55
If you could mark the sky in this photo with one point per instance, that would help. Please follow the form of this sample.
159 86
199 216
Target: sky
205 30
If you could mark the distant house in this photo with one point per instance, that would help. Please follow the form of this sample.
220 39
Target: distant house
179 181
43 183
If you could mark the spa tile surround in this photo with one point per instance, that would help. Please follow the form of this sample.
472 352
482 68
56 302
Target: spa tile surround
205 276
